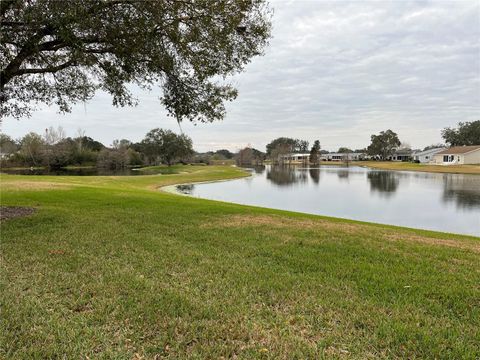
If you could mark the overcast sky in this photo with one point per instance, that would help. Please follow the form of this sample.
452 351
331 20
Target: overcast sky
334 71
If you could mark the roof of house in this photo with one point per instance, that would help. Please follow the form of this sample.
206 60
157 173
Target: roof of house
296 154
429 151
343 154
459 150
403 152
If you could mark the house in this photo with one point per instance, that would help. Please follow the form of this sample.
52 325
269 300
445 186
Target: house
458 155
401 155
342 157
426 156
295 158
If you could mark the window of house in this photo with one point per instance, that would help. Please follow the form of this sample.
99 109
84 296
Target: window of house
445 158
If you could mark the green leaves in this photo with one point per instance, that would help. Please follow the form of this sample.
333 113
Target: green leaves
52 52
166 146
383 144
468 133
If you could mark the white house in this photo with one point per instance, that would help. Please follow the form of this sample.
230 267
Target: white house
401 155
342 156
426 156
458 155
296 158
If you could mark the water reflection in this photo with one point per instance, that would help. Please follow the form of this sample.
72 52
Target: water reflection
462 191
315 175
384 182
259 169
186 189
443 202
286 175
343 174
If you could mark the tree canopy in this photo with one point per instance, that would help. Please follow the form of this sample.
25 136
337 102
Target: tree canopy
7 145
383 144
315 152
166 146
61 52
467 133
287 145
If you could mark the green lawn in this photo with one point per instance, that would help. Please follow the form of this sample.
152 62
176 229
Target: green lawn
112 268
409 166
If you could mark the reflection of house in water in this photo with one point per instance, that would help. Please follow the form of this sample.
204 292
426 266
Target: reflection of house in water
285 175
383 182
315 175
462 190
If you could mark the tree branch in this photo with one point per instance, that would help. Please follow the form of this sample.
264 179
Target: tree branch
27 50
5 5
51 69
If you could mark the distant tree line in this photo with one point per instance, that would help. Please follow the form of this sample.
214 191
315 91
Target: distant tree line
55 150
250 156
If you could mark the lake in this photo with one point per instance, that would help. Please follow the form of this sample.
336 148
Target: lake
433 201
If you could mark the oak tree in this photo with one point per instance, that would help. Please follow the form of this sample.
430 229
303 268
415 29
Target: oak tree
61 52
467 133
383 144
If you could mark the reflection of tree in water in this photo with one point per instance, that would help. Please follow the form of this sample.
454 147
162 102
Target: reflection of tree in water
384 182
343 174
259 169
185 189
315 175
462 190
286 175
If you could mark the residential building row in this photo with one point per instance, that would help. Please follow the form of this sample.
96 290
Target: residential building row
456 155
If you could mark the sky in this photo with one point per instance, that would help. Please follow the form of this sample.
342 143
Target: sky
337 71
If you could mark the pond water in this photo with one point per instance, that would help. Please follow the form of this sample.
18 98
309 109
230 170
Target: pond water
87 171
441 202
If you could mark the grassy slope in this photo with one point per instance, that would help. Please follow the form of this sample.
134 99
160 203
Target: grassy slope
109 268
407 166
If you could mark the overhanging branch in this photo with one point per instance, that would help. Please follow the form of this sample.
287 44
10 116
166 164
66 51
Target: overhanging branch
50 69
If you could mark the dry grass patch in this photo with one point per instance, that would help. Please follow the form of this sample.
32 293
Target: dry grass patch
281 222
33 185
472 246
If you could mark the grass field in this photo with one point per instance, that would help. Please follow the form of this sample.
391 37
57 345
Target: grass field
408 166
112 268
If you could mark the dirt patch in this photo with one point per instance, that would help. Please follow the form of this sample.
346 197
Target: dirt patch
473 246
10 212
56 252
32 185
275 221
